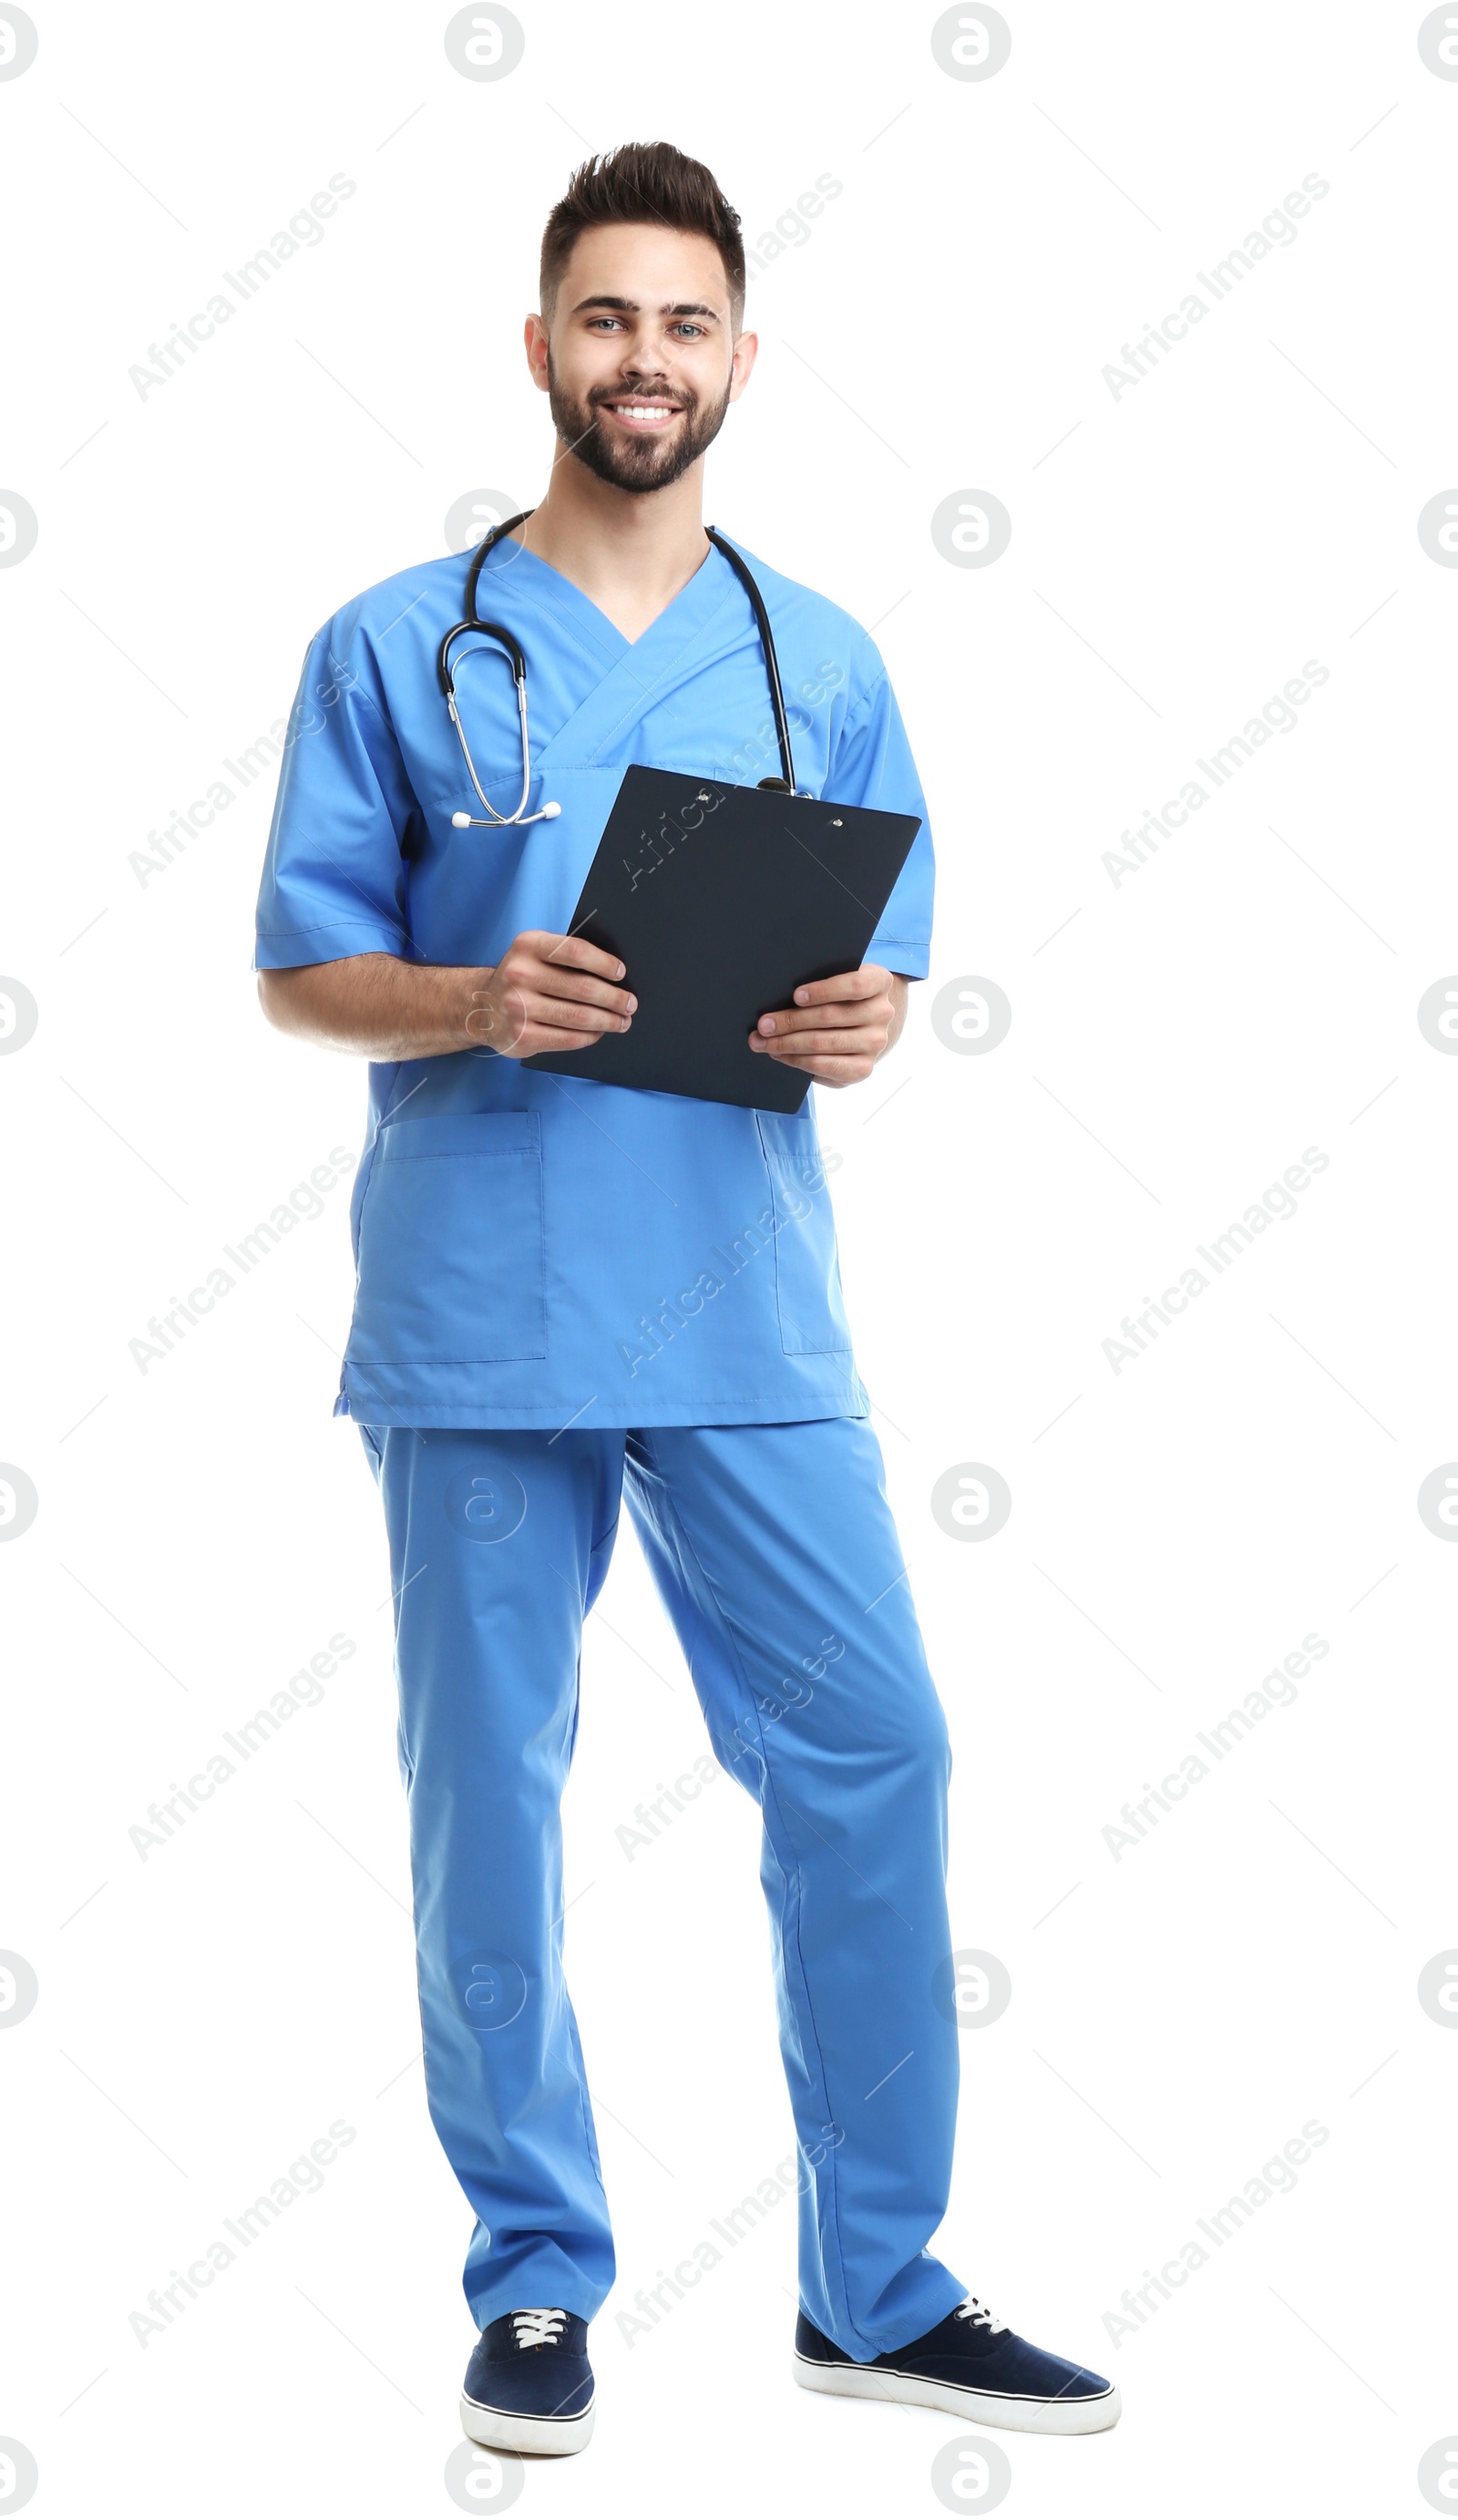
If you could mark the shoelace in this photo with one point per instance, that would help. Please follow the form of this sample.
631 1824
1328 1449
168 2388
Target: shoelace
538 2326
980 2314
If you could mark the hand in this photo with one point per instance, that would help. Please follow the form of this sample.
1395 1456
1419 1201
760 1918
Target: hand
837 1029
549 993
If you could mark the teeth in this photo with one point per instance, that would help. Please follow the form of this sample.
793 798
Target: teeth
645 410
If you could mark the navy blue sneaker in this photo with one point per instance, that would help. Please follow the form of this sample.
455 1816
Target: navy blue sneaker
969 2365
529 2383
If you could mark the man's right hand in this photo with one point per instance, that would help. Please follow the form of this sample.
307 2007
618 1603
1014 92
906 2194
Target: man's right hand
546 993
549 993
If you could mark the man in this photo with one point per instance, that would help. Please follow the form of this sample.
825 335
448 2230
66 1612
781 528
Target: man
569 1289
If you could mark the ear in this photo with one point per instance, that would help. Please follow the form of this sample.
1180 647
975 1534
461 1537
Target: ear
746 350
534 337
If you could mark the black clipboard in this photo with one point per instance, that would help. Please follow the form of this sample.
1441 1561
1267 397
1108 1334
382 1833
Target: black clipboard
722 901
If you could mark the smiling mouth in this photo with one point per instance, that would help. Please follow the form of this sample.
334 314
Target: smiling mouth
643 416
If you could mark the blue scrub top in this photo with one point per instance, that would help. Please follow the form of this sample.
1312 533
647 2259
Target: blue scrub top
536 1251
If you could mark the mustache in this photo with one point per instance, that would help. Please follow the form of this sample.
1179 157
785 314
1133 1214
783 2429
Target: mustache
603 394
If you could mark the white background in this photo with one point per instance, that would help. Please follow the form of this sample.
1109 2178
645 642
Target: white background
1178 1041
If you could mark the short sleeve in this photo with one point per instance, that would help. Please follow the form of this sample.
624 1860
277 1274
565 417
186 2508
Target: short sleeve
336 874
873 765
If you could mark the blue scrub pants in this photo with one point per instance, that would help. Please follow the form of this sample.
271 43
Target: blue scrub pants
777 1562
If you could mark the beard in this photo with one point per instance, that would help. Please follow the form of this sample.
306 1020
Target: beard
630 462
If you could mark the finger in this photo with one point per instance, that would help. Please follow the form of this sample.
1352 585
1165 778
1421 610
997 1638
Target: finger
502 1018
569 1015
826 1044
540 1037
548 1037
869 982
573 950
524 970
554 980
832 1071
835 1011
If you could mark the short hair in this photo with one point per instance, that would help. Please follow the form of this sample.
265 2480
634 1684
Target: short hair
642 184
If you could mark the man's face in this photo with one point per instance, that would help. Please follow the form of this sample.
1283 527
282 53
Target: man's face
641 362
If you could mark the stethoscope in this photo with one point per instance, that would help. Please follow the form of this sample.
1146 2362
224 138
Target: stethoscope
445 674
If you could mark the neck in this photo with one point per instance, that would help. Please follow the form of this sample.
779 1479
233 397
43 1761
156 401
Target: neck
629 552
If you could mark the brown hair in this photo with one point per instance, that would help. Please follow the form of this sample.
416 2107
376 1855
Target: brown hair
643 183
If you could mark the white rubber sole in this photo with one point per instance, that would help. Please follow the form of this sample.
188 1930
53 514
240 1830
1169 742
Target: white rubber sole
1008 2414
543 2436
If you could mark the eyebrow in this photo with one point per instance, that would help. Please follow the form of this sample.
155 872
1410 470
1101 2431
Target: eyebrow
631 306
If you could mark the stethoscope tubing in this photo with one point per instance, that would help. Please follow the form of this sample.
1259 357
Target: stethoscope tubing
473 621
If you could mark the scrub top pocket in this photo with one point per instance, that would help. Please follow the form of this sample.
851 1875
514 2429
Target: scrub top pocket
450 1244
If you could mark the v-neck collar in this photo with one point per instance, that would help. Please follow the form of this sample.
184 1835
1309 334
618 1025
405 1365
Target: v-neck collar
696 601
630 678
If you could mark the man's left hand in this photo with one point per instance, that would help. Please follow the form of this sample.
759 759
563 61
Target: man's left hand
837 1029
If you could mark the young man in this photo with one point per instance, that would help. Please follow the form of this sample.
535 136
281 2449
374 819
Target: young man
569 1290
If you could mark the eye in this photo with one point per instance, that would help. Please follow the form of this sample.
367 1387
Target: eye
693 331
